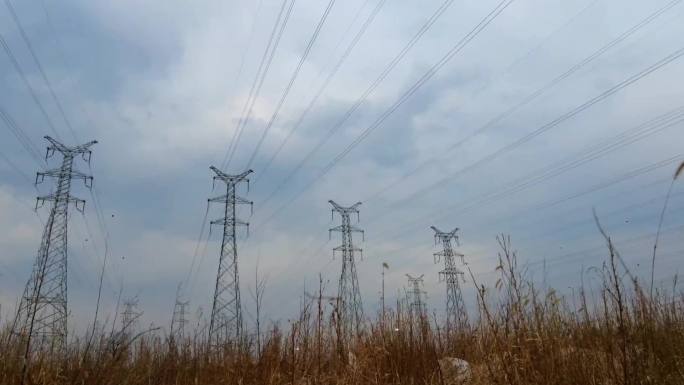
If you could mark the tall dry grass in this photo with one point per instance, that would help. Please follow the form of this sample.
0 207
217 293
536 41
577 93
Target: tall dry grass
520 334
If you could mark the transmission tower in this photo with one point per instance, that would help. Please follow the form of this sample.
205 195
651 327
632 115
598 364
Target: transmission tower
179 320
42 314
417 306
226 311
349 296
457 318
129 320
130 315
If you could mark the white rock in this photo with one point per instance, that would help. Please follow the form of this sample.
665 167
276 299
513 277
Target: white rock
455 371
353 362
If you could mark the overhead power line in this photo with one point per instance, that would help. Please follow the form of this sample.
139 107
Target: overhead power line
580 253
592 152
24 79
262 71
402 99
26 39
537 208
649 128
359 34
16 168
248 45
359 101
621 210
529 98
552 124
293 78
574 256
447 212
526 211
338 64
322 69
22 138
548 37
607 198
509 67
235 82
544 223
577 254
61 53
56 99
264 65
94 194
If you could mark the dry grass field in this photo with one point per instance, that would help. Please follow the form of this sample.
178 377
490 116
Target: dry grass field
520 335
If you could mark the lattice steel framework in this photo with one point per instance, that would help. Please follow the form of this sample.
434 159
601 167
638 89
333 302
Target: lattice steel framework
42 315
130 316
417 306
179 320
348 293
226 312
456 315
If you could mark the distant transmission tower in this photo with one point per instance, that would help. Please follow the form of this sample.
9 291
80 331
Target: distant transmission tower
226 311
179 320
42 314
457 318
129 320
129 316
349 296
416 294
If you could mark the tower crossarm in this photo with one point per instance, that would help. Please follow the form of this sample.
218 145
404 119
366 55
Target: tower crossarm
61 173
225 198
347 250
229 222
351 228
415 279
57 146
441 254
438 256
443 236
52 198
447 274
230 178
351 209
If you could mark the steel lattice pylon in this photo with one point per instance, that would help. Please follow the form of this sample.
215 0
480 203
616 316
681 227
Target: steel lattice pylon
417 306
42 314
456 315
179 320
350 306
129 317
226 312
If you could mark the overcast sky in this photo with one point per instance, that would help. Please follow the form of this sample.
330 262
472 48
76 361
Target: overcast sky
517 122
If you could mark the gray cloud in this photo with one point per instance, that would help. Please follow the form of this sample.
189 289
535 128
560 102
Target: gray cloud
156 83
